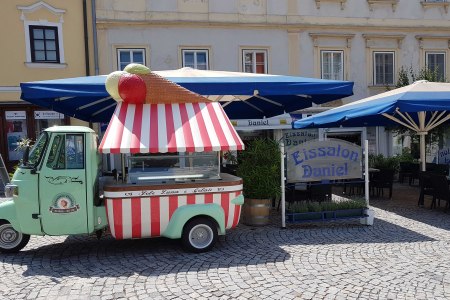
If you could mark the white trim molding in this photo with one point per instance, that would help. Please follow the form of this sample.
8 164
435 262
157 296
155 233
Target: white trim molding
437 4
342 2
393 3
33 65
8 89
27 23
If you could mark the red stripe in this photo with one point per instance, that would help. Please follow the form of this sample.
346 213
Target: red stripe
236 138
218 130
208 198
225 202
118 221
154 145
137 127
201 125
170 128
136 218
102 144
118 132
173 205
154 217
189 141
190 199
237 209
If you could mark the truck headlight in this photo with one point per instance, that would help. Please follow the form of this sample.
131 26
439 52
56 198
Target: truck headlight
11 190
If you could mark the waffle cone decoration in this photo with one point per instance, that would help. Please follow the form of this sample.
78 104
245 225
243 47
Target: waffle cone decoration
136 84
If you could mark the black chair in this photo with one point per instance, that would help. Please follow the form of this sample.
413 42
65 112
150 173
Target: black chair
381 180
415 173
441 190
426 187
406 170
320 191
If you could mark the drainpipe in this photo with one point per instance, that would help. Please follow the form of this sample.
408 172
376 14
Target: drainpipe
86 39
94 29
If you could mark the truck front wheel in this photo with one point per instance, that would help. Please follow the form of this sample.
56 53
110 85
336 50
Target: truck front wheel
11 241
199 235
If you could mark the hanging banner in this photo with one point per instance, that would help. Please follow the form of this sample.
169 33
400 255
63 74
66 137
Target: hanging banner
324 160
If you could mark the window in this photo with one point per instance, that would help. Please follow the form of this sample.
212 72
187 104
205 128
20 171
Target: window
128 56
332 65
44 44
67 152
383 68
435 62
197 59
254 61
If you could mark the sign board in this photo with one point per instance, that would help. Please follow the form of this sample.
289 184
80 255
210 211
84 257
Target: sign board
279 122
295 137
15 115
47 115
324 160
444 156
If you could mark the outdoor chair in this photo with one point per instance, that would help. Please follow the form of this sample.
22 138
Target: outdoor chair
441 190
320 191
384 179
406 170
425 184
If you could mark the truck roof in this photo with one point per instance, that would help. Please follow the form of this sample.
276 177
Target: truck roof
69 129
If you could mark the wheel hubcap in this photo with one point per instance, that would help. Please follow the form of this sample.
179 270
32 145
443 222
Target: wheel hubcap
9 238
201 236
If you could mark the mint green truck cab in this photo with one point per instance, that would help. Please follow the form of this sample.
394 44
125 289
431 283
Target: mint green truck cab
55 190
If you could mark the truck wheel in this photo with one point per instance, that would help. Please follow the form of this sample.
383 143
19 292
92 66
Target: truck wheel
199 235
11 241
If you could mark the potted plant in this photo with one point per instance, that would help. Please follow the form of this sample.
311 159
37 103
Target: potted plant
259 167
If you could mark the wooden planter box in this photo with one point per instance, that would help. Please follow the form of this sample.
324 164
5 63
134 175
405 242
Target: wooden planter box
292 217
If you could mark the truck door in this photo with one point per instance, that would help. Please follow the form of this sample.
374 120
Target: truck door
62 186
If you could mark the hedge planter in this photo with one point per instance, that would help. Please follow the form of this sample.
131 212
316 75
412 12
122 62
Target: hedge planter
292 217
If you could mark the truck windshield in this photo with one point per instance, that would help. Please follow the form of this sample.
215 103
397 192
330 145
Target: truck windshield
38 150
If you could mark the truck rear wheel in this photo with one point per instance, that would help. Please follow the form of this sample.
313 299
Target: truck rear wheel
11 241
199 235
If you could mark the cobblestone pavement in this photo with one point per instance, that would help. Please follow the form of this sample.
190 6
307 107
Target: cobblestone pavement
405 255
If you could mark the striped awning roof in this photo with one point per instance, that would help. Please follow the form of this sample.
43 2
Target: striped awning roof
176 127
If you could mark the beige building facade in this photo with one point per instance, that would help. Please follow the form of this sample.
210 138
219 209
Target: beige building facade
41 40
365 41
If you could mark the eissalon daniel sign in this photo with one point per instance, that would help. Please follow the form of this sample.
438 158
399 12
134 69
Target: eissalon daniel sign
324 160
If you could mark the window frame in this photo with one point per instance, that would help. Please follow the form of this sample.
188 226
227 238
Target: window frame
244 51
342 72
32 48
130 50
444 71
374 72
195 51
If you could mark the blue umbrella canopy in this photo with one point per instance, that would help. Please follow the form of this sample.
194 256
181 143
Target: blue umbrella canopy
420 106
243 95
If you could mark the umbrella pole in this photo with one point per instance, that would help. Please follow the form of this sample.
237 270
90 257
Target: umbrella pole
422 150
283 196
422 132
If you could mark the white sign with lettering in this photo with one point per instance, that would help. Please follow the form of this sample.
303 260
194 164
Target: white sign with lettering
47 115
324 160
15 115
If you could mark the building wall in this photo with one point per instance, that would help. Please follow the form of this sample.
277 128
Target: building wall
293 31
17 65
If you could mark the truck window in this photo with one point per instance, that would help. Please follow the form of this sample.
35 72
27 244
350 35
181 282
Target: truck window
67 152
74 151
54 150
37 150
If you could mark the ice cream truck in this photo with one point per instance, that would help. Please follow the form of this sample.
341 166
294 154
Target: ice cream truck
169 138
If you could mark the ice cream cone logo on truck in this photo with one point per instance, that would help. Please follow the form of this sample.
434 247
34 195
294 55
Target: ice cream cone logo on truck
64 203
